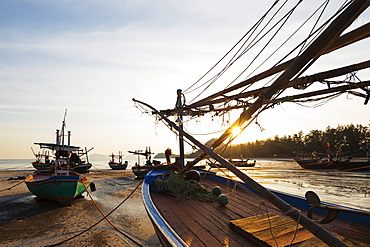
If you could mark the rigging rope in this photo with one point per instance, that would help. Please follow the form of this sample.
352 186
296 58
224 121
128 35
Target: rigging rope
256 24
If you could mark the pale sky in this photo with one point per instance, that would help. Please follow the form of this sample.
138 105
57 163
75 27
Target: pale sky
93 57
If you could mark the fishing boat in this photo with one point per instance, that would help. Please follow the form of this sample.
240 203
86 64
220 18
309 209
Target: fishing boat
352 165
117 165
210 210
316 164
59 184
141 170
40 163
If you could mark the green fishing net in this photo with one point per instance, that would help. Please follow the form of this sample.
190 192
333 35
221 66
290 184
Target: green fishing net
178 186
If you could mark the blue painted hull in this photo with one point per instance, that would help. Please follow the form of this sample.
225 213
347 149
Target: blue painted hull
169 237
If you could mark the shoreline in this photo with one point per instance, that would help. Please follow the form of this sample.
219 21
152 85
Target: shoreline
25 220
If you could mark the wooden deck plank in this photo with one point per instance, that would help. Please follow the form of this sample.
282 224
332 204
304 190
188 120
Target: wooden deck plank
207 223
191 218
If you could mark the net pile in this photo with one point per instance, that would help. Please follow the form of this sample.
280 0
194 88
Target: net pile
178 186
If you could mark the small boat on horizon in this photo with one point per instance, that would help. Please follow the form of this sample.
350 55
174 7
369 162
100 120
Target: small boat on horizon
117 165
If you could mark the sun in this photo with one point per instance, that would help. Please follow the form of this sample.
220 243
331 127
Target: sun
236 131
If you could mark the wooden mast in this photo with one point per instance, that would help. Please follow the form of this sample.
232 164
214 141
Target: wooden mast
344 40
286 208
294 83
315 50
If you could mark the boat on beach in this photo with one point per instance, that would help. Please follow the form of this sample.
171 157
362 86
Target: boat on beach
39 163
60 183
210 210
350 165
316 164
141 170
117 165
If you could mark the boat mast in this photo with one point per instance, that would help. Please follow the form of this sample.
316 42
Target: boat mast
286 208
301 63
179 121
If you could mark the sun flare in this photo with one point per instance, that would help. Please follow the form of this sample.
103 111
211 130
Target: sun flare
236 131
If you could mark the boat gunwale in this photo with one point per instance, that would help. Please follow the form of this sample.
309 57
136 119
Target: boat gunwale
160 223
171 236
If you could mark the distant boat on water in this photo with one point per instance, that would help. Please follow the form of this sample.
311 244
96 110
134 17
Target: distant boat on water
60 183
117 165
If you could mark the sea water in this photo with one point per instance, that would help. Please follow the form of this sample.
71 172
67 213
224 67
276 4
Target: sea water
350 189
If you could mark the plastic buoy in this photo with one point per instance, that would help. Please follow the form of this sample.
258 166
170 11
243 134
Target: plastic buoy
223 199
216 190
192 174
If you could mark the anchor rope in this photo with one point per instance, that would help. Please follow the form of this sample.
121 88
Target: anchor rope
61 242
12 186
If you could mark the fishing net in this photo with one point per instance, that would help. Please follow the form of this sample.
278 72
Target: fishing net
176 185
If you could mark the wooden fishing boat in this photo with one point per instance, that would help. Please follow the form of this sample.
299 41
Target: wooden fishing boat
42 161
60 183
117 165
316 164
141 170
181 221
61 186
352 165
250 214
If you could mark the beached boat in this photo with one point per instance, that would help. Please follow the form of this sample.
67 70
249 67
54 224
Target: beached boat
350 165
141 170
315 163
42 161
117 165
248 214
60 184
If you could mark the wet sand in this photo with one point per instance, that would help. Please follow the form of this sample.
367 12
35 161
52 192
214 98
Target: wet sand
27 221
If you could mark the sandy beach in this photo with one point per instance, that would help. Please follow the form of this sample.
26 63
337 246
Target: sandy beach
27 221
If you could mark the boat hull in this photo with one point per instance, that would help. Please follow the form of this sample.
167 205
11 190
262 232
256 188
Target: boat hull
352 166
83 168
61 189
315 164
117 166
41 166
189 222
140 171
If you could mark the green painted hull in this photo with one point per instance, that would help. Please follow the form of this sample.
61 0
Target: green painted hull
62 189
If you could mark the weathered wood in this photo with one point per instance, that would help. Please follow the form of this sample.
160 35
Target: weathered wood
322 233
344 40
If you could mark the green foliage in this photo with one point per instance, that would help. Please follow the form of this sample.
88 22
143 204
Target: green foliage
347 140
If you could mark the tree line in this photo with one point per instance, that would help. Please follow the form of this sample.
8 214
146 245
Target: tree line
343 141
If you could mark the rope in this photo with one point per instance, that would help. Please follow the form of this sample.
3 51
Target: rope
115 181
106 218
99 220
12 186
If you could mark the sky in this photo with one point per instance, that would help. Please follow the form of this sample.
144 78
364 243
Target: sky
93 57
